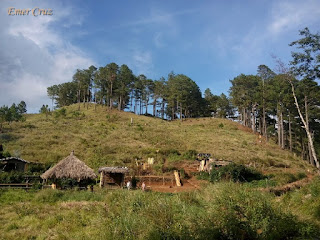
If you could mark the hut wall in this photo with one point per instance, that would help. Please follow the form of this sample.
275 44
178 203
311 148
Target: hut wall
14 165
113 179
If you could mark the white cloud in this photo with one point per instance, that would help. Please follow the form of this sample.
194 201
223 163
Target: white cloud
142 62
288 15
33 55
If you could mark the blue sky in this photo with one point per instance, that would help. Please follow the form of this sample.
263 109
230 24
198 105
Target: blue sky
209 41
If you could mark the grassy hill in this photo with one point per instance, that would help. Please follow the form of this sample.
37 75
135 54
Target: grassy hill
223 210
102 137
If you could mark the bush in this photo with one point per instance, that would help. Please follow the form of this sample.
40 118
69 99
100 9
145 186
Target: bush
236 173
167 152
62 112
12 177
78 115
241 213
203 176
190 154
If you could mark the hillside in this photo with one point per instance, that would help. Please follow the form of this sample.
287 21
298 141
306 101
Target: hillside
103 137
222 210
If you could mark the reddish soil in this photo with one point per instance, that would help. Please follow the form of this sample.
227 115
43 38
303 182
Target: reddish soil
290 186
190 183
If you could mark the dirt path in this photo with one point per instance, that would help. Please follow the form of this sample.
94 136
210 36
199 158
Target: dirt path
289 187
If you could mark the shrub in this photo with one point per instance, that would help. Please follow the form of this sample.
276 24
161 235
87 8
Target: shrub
11 177
167 152
190 154
62 112
236 173
78 115
241 213
203 176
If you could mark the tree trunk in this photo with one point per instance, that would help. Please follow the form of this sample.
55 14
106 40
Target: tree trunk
79 100
84 99
249 118
279 125
162 109
111 103
264 123
243 117
181 112
290 134
172 113
135 106
282 130
306 126
154 107
253 121
120 103
147 102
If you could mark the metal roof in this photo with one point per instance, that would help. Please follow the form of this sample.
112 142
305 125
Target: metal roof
113 169
13 158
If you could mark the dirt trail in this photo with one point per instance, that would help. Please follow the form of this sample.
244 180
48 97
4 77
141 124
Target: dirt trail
289 187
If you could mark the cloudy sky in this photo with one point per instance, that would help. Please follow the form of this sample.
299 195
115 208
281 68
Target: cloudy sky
209 41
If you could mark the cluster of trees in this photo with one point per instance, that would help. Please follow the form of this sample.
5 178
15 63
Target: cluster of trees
284 103
287 103
178 96
13 113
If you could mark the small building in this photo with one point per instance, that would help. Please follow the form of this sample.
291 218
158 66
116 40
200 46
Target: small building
70 168
13 164
112 177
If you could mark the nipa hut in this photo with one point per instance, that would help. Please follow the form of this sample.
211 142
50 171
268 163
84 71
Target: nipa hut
112 176
13 164
70 168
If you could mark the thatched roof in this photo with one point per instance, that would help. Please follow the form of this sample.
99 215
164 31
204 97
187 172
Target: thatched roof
70 167
113 170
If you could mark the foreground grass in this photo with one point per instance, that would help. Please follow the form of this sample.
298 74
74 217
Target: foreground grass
220 211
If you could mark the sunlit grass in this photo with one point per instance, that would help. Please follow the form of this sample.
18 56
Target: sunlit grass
102 137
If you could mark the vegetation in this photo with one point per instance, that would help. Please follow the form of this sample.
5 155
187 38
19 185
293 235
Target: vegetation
281 104
220 211
235 173
14 113
95 136
281 107
286 104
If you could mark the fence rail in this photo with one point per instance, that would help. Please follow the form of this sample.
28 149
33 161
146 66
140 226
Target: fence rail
16 185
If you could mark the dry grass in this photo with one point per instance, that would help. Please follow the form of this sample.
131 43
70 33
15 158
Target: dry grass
102 137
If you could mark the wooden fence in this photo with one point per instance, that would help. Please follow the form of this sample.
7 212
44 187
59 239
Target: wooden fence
16 185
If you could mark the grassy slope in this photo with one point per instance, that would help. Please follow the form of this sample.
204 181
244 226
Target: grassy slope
104 137
221 210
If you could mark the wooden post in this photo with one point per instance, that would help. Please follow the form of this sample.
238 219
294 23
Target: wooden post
163 180
202 164
176 175
101 179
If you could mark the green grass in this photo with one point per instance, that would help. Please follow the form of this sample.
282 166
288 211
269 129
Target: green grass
223 210
220 211
105 137
304 202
